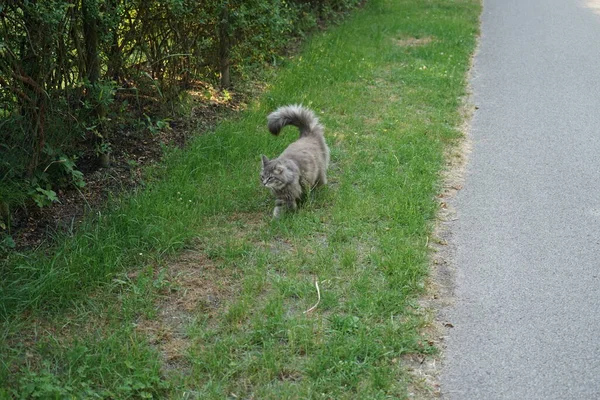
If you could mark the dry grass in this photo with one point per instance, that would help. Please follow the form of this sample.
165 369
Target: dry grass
439 294
198 288
413 41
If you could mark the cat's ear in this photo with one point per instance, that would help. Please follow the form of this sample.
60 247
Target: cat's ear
265 160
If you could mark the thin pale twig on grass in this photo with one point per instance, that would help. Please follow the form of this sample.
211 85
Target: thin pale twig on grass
318 297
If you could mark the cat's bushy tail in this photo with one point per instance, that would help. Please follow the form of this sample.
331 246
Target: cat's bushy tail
297 115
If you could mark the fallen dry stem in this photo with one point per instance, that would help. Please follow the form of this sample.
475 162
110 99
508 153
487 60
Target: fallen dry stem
318 297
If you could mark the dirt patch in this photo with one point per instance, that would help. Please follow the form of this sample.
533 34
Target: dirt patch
441 282
422 369
201 286
198 289
413 41
248 222
133 148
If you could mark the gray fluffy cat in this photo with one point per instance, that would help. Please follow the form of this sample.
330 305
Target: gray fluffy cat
303 165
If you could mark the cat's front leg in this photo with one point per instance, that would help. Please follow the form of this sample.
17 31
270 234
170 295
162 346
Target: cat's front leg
278 210
282 205
291 205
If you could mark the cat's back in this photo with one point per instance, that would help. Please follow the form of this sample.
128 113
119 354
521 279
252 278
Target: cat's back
307 148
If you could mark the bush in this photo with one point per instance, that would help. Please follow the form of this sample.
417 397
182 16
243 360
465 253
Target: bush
67 68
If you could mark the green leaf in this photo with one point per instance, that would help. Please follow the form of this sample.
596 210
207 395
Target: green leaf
50 194
8 242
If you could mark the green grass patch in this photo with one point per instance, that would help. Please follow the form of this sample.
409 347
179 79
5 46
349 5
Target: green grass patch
113 313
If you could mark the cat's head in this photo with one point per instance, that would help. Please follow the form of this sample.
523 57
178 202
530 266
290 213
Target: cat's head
274 174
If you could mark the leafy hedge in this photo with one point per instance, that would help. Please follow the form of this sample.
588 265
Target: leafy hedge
70 68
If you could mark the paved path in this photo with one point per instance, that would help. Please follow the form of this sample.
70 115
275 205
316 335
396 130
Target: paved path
527 313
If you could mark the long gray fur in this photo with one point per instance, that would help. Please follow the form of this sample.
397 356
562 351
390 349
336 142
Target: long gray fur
296 115
302 165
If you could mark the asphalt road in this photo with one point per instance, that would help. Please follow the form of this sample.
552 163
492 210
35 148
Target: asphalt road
527 236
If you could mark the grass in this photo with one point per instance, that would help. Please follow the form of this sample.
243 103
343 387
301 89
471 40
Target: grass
187 289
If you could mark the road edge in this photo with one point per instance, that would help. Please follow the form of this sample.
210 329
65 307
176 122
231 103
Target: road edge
440 284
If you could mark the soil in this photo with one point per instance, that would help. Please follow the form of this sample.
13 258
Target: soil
439 295
132 151
413 41
197 286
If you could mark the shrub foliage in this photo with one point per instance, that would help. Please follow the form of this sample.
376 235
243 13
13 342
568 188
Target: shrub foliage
68 66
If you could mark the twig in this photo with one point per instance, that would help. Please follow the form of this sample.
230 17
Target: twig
53 162
84 199
318 297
